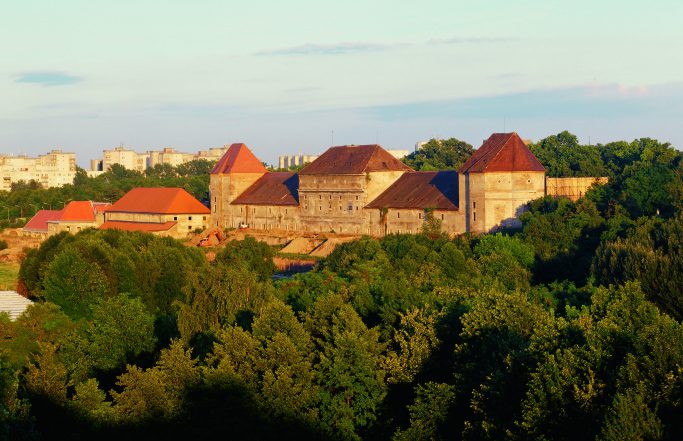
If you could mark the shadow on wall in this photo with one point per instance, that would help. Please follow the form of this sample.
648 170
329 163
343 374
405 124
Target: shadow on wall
447 183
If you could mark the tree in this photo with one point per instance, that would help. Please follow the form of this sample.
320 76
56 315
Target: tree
73 283
158 392
563 156
120 329
347 367
439 154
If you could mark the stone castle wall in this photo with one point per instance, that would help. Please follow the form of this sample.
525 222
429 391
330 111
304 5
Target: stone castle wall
572 188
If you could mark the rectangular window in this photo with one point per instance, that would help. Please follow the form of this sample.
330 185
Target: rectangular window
475 216
419 215
398 215
175 218
474 205
442 216
203 217
189 227
349 207
189 218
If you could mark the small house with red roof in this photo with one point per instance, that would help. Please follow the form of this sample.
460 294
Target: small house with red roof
363 189
163 211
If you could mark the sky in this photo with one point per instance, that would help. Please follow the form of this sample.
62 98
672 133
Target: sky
297 76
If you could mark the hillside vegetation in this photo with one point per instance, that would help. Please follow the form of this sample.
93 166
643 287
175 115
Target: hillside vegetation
569 328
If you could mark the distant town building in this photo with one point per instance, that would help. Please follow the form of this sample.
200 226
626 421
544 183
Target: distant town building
132 160
289 161
53 169
420 144
399 154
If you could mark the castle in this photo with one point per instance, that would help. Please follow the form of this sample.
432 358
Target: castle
362 189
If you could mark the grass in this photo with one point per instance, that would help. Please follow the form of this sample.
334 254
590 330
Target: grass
8 276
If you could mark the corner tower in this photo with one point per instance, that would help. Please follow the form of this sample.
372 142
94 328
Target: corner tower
497 181
236 171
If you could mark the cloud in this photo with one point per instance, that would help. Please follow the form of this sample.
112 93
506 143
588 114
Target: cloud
590 101
329 49
469 40
48 78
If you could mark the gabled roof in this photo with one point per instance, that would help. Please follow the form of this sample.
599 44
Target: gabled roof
276 188
82 211
502 152
38 223
148 227
159 200
354 159
421 190
238 159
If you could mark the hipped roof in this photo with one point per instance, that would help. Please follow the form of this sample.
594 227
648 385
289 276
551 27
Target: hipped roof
238 159
159 200
354 159
502 152
276 188
421 190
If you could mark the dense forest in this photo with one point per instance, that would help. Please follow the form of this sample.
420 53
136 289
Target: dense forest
567 328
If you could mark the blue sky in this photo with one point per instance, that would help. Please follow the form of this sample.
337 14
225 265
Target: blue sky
281 76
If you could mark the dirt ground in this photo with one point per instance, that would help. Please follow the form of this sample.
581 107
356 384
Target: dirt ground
16 245
11 257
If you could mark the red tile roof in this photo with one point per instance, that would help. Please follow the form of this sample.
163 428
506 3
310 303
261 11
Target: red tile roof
159 200
277 188
502 152
38 223
422 190
101 207
353 159
137 226
75 211
238 159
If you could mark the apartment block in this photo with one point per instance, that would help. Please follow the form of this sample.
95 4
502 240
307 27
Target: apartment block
53 169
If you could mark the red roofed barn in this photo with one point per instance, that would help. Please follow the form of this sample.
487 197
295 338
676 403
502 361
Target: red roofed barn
165 211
